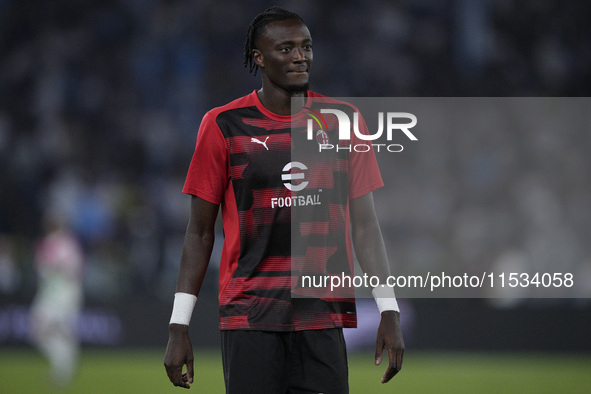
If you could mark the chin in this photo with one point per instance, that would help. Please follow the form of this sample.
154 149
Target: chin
299 88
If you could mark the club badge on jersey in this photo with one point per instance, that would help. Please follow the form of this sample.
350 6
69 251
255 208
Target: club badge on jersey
322 137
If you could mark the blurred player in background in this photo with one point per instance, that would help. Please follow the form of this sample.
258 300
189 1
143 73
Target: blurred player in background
273 342
59 263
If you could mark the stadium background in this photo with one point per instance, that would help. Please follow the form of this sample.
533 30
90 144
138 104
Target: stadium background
99 105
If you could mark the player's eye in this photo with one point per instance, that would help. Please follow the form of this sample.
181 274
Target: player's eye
308 47
285 49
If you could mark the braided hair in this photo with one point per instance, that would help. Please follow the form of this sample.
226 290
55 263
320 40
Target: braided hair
256 29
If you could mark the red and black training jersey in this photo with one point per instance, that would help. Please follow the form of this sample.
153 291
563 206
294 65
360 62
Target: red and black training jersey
285 212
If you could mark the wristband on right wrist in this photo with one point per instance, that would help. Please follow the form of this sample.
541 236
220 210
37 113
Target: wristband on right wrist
182 308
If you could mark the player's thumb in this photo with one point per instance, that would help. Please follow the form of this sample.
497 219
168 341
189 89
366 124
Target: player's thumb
190 371
378 355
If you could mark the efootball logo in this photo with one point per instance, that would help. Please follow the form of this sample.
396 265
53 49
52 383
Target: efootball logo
288 176
293 178
345 127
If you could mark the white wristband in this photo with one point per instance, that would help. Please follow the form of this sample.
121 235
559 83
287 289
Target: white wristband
182 308
385 298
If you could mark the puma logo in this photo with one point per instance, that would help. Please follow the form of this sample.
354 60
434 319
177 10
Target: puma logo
260 142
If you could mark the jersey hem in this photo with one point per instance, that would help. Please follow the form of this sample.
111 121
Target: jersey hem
202 195
367 190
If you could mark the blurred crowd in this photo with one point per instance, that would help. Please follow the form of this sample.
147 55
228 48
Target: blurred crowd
100 103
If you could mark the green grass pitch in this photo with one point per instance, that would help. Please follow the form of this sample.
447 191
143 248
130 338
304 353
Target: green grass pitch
119 371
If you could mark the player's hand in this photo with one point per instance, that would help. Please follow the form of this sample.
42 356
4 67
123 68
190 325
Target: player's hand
390 337
179 352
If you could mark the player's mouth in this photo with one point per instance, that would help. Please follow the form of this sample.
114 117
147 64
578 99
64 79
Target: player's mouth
298 71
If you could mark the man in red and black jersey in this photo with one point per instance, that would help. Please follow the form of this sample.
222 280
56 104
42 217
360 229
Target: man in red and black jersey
284 214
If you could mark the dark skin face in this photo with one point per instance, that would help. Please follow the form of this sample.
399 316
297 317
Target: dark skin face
284 55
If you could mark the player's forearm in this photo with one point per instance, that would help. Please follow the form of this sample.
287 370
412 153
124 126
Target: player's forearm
367 238
371 253
371 250
199 239
194 261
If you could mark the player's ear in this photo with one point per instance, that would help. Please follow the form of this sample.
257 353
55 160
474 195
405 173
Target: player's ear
258 58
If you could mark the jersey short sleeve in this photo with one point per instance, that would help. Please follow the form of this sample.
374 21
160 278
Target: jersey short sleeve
207 177
364 173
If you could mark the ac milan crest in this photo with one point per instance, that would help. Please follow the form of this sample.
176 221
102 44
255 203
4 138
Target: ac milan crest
321 137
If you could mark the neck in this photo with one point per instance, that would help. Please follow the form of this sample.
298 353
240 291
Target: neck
279 101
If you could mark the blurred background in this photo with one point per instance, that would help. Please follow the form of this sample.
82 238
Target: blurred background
100 102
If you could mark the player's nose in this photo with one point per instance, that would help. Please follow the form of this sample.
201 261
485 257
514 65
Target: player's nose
298 55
